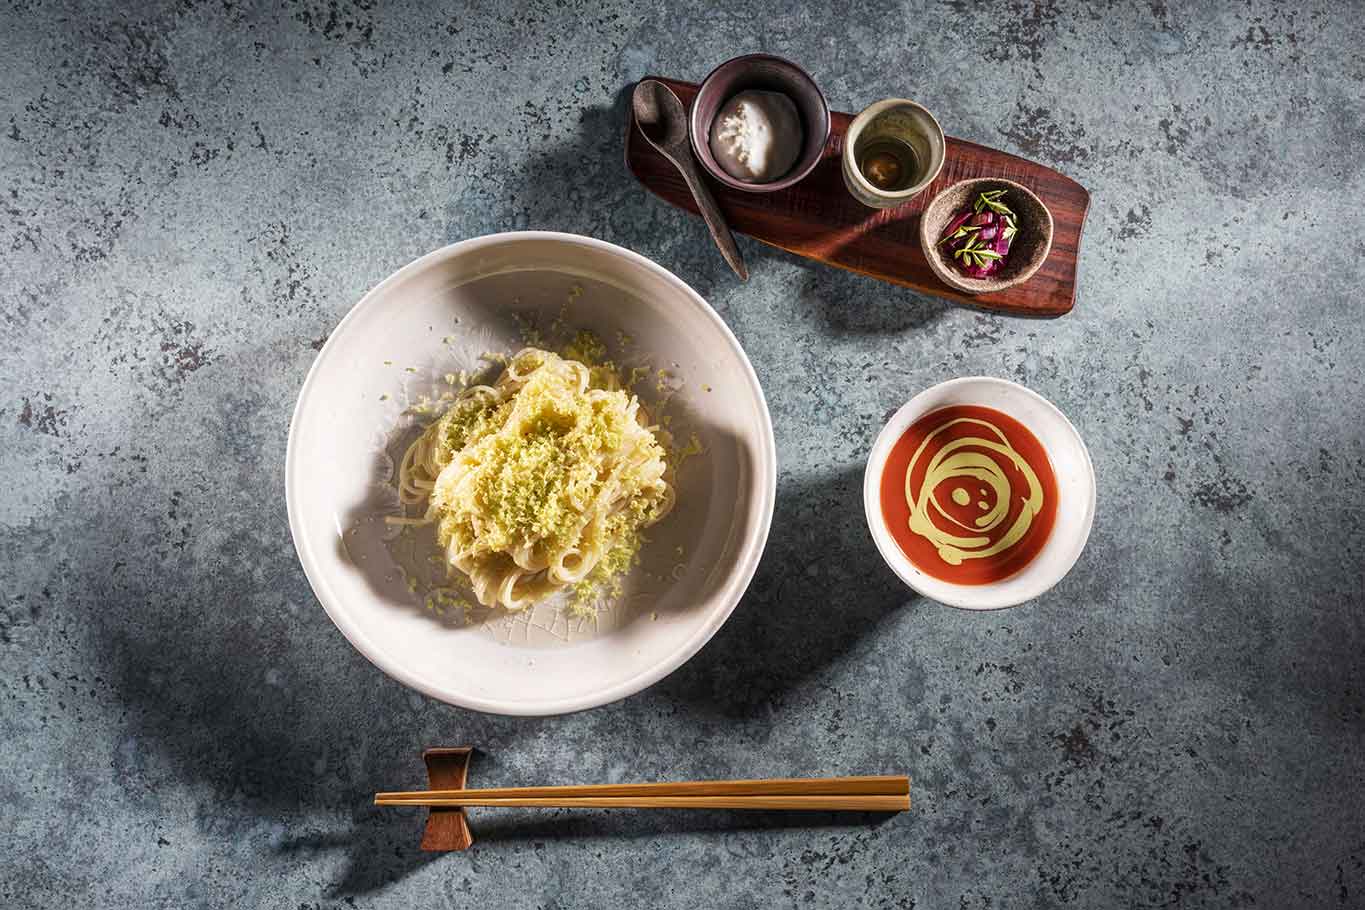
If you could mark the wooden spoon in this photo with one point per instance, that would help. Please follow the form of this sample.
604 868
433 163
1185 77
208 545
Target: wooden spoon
663 122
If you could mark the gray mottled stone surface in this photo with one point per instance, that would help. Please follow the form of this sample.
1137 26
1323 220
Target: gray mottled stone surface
191 196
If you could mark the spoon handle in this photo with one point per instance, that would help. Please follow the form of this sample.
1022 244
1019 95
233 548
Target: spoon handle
710 213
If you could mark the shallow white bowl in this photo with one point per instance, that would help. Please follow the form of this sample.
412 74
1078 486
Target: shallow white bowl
435 316
1075 491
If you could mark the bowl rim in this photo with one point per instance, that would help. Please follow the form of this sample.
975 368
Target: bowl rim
699 136
965 597
856 126
746 563
981 285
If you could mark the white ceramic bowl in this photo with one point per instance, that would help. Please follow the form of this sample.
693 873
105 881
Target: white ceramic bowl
434 317
1075 490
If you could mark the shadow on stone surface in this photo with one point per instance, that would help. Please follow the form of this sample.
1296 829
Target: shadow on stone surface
257 724
381 849
584 186
820 587
197 700
524 825
855 304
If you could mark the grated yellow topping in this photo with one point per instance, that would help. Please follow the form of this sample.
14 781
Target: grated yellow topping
529 468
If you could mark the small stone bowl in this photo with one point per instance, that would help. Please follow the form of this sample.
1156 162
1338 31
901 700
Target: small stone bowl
766 73
1030 247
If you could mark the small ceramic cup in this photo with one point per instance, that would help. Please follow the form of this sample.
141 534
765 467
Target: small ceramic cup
768 73
897 122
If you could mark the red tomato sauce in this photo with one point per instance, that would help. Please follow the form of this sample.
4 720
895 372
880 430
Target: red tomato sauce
965 498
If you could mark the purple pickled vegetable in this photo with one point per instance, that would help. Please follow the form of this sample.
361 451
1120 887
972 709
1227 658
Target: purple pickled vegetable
1002 244
978 239
958 220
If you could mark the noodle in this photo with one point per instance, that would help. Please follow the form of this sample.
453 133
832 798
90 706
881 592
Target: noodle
542 481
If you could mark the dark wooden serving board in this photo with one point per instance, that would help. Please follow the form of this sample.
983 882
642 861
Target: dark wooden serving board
818 219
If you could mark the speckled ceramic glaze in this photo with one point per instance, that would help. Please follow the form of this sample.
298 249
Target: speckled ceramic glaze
899 119
436 316
1029 250
766 73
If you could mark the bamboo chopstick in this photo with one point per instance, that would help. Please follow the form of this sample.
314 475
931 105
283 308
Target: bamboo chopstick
809 803
869 794
787 786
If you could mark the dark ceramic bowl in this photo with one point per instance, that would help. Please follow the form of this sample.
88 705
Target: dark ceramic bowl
766 73
1027 253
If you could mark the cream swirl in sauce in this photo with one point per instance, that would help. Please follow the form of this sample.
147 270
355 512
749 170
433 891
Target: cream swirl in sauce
966 459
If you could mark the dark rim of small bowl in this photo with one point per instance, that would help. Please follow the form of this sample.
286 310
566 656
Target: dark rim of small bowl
808 98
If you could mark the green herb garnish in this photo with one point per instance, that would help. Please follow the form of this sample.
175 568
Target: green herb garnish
991 200
974 253
961 232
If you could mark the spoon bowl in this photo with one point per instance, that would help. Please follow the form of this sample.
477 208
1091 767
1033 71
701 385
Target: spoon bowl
661 115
